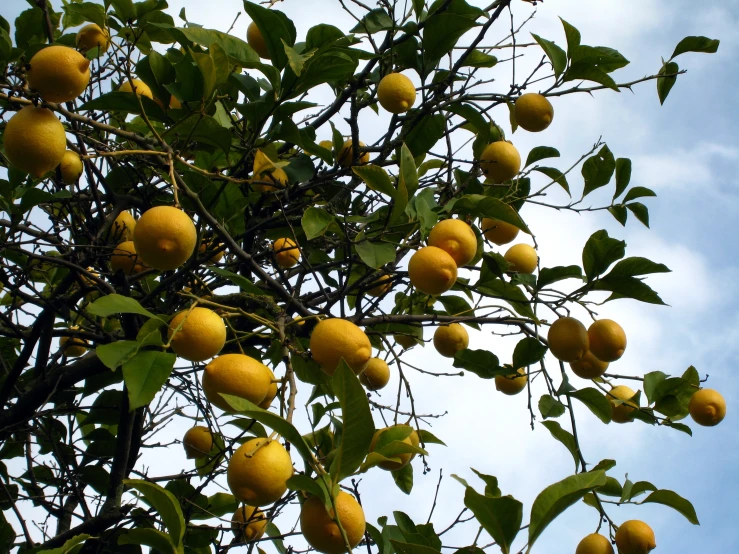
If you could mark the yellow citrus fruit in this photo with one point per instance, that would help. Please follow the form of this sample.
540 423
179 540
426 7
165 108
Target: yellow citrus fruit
35 141
258 472
623 412
707 407
396 93
174 104
346 154
322 532
142 89
58 73
456 238
534 112
404 457
376 375
197 442
432 270
73 346
255 39
589 367
594 544
334 339
206 246
607 340
248 524
271 391
497 231
277 176
286 251
406 341
200 334
568 339
450 339
381 286
165 237
513 383
635 537
124 258
92 36
123 226
500 162
237 375
70 167
522 257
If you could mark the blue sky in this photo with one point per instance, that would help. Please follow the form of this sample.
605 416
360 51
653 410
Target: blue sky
687 152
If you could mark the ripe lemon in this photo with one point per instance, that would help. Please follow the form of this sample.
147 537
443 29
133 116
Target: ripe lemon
201 334
635 537
123 226
500 162
568 339
271 391
594 544
607 340
513 383
589 367
334 339
623 412
92 36
286 252
450 339
406 341
237 375
255 39
277 176
432 270
70 167
174 104
125 259
142 89
206 246
346 154
376 375
197 442
258 472
322 532
405 457
165 237
396 93
35 141
522 257
248 524
707 407
73 346
456 238
381 286
534 112
58 73
497 231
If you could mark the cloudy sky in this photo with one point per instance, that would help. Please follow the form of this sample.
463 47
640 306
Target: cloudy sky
687 152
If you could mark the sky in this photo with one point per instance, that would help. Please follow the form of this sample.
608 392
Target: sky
687 152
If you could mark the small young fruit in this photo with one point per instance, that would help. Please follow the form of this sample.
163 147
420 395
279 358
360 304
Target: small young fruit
197 442
70 167
255 39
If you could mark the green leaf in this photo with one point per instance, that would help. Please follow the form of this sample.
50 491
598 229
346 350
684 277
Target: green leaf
541 153
528 351
640 211
628 287
117 304
638 192
573 37
428 437
598 170
668 78
441 33
358 427
491 484
588 72
595 401
651 381
600 252
275 28
166 505
510 293
549 275
623 176
301 482
86 11
200 128
218 505
159 541
408 172
474 118
239 280
322 34
696 44
373 22
315 222
425 134
500 517
557 56
675 501
619 213
611 488
116 353
376 178
145 374
478 205
480 362
479 59
556 498
67 548
550 406
602 57
565 437
295 59
555 175
127 103
633 266
403 478
375 254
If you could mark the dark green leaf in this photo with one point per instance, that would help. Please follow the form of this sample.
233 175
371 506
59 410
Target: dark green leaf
508 292
667 80
373 22
565 437
425 134
117 304
160 542
640 211
239 280
587 72
528 351
127 103
628 287
557 56
315 222
696 44
200 128
600 252
555 175
549 275
595 401
403 478
479 59
166 505
573 37
145 374
638 192
275 27
375 254
623 176
619 213
675 501
67 548
478 205
500 517
480 362
550 406
441 33
651 381
376 178
633 266
116 353
598 170
541 153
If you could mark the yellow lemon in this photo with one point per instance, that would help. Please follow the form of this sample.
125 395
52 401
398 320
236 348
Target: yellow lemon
607 340
396 93
35 141
142 89
456 238
165 237
258 472
277 176
248 524
174 104
594 544
568 339
513 383
589 367
497 231
255 39
405 457
197 334
623 412
125 259
73 346
381 286
205 247
500 162
271 391
58 73
346 154
237 375
432 271
286 252
450 339
197 442
123 226
534 112
376 375
635 537
322 532
92 36
334 339
707 407
70 167
522 257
